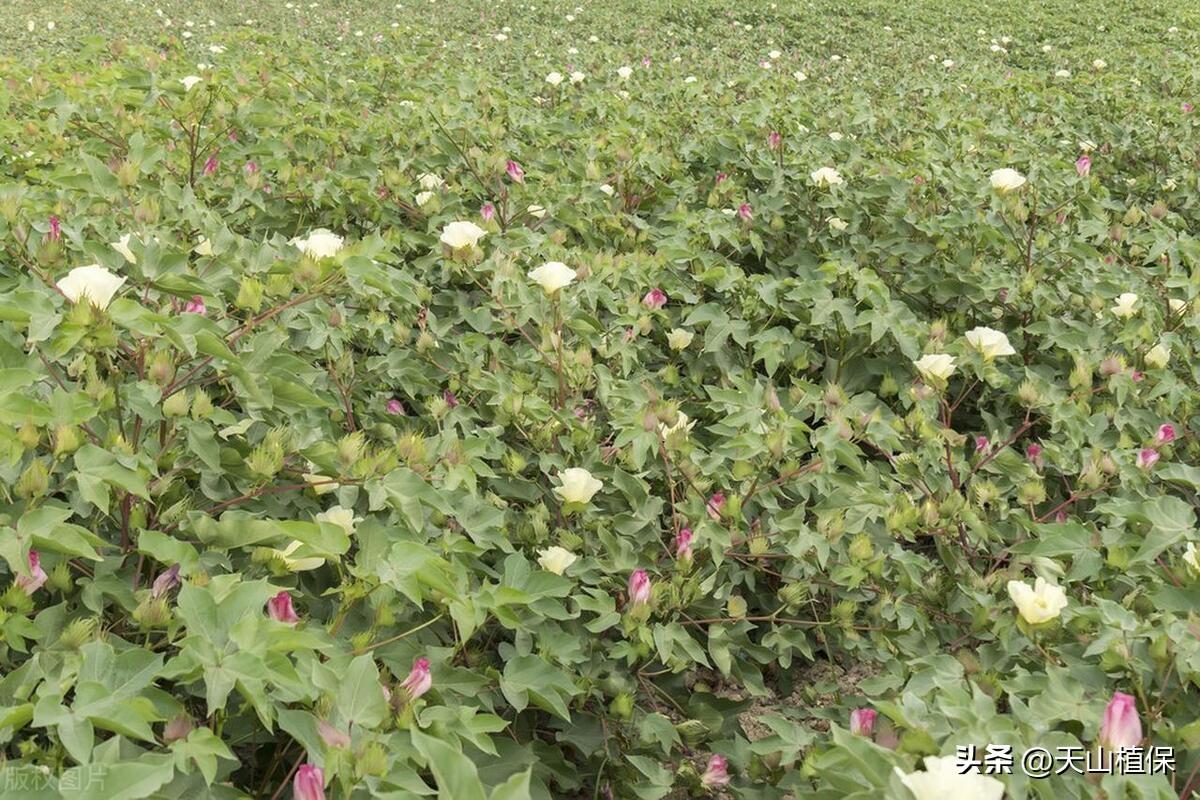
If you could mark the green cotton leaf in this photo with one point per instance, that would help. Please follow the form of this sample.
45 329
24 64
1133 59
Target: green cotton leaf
168 550
359 699
1170 520
96 470
48 529
529 679
241 529
515 788
456 775
657 729
126 780
202 747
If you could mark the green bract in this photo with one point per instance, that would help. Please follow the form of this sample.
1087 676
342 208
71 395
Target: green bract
379 414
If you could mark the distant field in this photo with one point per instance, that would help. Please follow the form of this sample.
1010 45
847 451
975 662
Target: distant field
542 400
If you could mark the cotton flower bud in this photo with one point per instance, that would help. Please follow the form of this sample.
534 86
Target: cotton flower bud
250 294
34 481
202 405
29 435
78 633
985 492
1028 394
1133 216
861 548
176 405
361 640
67 439
350 449
832 526
279 285
1032 492
733 507
692 731
833 396
161 369
622 706
514 462
152 612
757 543
888 386
127 173
372 759
930 512
937 330
177 728
844 611
147 211
60 578
1081 375
793 594
777 441
426 341
736 606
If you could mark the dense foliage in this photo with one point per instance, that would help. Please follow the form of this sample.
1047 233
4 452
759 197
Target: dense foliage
500 400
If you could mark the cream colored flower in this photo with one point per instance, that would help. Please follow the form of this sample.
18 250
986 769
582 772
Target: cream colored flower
1158 356
682 426
321 484
203 246
991 343
1087 145
93 283
935 366
680 338
554 78
424 197
462 234
607 189
837 223
1191 557
535 210
429 181
297 564
1177 306
319 243
342 517
556 559
1037 604
578 485
942 780
190 81
826 177
1125 305
625 73
577 77
1099 63
1007 180
122 247
552 276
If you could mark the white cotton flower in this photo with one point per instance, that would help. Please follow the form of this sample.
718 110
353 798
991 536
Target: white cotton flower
122 247
942 780
578 485
92 283
554 78
625 73
424 197
342 517
690 79
800 76
203 246
774 54
935 366
1037 604
683 426
1062 73
577 77
679 338
1158 356
991 343
837 223
537 211
461 234
826 177
1087 145
319 243
552 276
190 81
1124 307
1099 63
607 189
429 181
1007 180
556 559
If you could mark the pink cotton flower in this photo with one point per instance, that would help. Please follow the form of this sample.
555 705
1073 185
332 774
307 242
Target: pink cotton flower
683 544
309 783
451 398
721 177
331 736
1083 166
715 505
982 444
655 299
280 609
395 407
37 576
515 173
1033 454
646 61
862 722
716 775
746 212
55 229
195 306
211 165
487 211
165 582
639 588
1147 457
1137 376
774 140
419 681
1187 108
1121 726
1165 435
